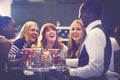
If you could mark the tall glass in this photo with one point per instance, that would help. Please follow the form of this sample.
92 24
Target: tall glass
53 53
45 54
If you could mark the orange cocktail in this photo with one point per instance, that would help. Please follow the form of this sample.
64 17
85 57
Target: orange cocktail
46 54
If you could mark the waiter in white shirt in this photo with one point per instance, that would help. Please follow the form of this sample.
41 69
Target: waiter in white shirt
96 50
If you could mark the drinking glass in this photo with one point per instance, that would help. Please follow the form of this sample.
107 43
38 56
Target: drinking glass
31 53
53 53
45 54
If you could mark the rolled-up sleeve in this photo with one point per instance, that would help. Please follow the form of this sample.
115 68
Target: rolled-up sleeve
72 62
95 45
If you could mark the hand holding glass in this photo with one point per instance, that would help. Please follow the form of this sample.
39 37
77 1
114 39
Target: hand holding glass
54 53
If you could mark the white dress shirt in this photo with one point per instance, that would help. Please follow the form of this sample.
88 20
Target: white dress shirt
115 47
95 43
2 37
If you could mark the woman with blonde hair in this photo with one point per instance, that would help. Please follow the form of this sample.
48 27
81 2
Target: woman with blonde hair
76 36
27 36
25 39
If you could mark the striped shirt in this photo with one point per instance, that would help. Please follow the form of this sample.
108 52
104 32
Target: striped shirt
16 49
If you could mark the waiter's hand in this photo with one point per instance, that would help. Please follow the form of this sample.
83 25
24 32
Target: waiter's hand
66 72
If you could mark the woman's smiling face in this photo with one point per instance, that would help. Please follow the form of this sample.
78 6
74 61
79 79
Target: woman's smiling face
76 31
50 35
33 33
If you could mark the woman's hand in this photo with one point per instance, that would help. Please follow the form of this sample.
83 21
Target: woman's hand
58 60
43 59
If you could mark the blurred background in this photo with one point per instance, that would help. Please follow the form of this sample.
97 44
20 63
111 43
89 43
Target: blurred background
59 12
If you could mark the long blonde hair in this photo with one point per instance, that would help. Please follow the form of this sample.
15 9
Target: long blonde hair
25 29
71 42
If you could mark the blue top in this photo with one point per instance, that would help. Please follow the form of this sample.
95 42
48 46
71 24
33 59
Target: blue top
16 49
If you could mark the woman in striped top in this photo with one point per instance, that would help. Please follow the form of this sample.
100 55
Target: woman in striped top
25 39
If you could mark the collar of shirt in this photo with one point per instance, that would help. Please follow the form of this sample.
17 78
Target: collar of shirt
93 24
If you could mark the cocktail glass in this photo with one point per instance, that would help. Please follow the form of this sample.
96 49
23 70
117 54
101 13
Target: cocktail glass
30 53
54 53
46 54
